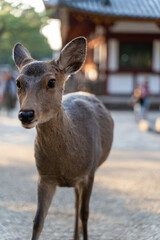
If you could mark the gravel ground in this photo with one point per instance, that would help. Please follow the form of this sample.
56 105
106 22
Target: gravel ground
125 203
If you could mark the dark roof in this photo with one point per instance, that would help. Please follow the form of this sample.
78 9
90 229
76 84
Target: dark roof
119 8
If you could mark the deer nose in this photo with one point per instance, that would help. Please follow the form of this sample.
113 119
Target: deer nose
26 116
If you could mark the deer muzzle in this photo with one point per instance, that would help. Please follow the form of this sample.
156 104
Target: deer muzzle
26 117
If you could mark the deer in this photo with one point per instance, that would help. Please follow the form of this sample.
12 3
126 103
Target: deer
74 131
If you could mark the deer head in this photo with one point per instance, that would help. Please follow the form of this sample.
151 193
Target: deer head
40 83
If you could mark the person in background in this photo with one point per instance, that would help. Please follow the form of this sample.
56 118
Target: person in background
3 76
8 94
137 102
145 94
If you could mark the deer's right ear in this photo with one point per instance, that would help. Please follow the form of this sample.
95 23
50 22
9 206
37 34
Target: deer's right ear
21 55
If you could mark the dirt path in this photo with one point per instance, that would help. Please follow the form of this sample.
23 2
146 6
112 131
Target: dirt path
125 203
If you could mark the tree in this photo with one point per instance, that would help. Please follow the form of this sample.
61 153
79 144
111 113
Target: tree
20 24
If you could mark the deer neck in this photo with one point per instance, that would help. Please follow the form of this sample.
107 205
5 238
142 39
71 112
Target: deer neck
55 129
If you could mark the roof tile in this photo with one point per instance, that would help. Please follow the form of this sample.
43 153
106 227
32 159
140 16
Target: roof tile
124 8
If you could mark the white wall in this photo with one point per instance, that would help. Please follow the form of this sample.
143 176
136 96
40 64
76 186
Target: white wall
120 83
113 52
135 27
123 83
153 80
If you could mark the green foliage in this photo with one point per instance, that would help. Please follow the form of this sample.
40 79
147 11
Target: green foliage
19 24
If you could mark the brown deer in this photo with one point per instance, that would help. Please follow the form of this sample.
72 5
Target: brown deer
74 134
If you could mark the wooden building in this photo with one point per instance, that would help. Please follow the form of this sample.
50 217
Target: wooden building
123 42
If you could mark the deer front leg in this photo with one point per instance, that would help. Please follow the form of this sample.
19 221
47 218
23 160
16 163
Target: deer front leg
84 212
77 208
45 195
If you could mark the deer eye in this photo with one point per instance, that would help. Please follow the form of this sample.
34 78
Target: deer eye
51 83
18 84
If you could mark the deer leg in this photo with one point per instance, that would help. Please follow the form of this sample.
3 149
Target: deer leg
45 195
77 208
84 212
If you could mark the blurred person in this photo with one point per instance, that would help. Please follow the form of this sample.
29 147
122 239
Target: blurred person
3 75
1 90
9 92
136 101
145 94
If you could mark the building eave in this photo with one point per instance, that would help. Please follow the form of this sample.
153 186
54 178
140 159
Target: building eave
103 16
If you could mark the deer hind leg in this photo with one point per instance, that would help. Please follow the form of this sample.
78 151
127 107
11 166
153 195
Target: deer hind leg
84 211
45 195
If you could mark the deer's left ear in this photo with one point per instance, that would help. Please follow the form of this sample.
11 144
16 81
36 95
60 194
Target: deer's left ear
73 56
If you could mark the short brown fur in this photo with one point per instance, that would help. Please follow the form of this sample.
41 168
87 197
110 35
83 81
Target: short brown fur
74 134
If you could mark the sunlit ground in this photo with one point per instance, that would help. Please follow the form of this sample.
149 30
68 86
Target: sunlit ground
125 201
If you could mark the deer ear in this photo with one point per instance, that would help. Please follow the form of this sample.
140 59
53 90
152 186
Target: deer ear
21 55
72 56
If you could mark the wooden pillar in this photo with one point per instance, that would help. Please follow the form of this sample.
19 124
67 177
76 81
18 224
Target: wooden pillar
107 61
